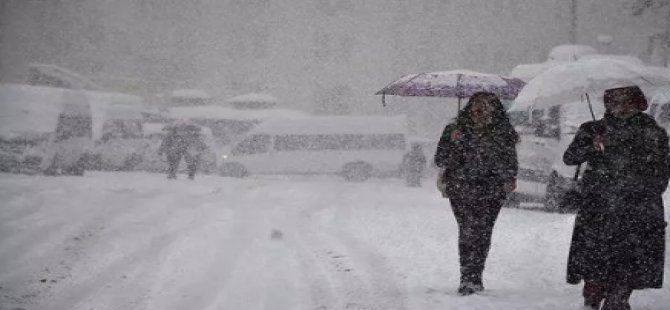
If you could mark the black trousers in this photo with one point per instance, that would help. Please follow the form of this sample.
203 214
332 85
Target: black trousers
173 163
175 159
476 217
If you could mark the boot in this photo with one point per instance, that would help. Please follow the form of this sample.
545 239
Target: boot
593 295
466 288
470 284
617 299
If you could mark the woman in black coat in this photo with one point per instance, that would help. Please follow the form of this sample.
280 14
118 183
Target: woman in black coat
618 242
478 155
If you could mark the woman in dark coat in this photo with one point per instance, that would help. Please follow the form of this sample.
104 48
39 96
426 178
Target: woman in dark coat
618 242
478 155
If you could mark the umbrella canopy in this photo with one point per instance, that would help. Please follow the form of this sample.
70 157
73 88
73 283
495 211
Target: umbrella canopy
568 82
456 84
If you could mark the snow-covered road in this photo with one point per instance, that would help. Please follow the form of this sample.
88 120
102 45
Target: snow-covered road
139 241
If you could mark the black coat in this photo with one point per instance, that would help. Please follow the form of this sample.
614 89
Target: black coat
619 234
174 144
477 163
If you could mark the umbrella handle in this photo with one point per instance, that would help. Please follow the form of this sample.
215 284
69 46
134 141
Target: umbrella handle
588 100
383 99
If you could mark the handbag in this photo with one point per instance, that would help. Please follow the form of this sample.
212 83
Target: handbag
573 199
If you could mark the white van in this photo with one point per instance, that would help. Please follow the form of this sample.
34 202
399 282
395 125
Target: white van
31 115
357 147
543 178
44 129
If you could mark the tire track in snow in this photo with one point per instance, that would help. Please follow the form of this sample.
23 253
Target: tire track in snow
217 264
358 277
60 228
40 259
144 259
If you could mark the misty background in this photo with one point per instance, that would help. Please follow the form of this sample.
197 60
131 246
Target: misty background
321 56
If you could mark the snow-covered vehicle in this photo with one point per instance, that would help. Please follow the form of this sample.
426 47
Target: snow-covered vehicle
122 142
189 97
356 147
154 133
44 129
545 135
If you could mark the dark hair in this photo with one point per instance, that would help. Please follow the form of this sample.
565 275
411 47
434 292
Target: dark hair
636 95
500 123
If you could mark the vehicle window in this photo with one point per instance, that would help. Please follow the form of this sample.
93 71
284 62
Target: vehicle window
518 118
71 126
254 144
339 142
121 129
546 123
227 130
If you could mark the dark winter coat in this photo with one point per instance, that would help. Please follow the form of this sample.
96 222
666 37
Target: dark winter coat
174 144
619 235
476 163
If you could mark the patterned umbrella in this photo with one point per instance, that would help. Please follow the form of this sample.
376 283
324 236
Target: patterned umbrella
456 84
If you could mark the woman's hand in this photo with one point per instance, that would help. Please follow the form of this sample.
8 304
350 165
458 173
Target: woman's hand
598 143
509 186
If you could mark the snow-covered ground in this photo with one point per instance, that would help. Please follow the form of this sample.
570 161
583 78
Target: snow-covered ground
139 241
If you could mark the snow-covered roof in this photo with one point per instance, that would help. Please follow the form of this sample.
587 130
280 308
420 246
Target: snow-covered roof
35 109
218 112
253 101
73 79
253 97
334 125
569 52
190 94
